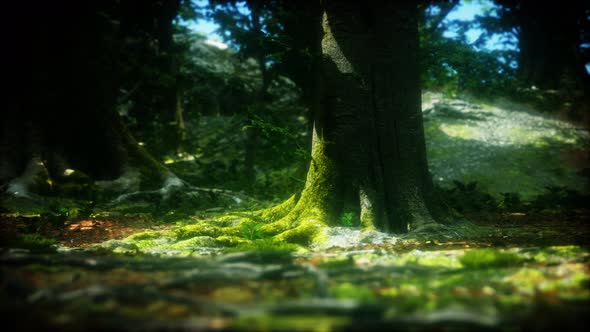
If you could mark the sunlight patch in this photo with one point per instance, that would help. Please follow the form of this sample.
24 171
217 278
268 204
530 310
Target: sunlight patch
216 43
461 131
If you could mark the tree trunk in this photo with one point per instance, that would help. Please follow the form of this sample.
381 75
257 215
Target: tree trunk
549 42
66 117
180 123
368 152
371 113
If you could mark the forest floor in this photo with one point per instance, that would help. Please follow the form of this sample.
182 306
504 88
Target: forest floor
515 272
513 265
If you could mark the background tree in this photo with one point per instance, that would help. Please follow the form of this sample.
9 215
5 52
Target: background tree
221 89
552 52
73 60
149 63
457 64
549 40
249 29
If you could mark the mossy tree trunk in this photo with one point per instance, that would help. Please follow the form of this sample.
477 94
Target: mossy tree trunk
368 152
371 120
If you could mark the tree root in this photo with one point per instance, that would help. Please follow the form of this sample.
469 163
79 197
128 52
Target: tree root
173 186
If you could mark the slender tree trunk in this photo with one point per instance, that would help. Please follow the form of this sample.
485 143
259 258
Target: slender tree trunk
253 133
180 123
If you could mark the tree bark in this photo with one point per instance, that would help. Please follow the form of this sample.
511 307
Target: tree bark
371 112
368 149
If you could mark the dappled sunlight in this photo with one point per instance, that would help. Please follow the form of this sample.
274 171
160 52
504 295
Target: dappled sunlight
216 43
502 149
504 127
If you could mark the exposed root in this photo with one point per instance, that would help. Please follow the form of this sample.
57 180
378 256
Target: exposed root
129 181
278 211
173 186
301 224
35 178
429 228
289 222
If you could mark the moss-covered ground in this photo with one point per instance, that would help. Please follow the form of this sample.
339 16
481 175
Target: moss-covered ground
519 261
506 276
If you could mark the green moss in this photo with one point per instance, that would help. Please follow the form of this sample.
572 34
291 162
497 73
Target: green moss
277 212
304 222
145 236
119 247
488 258
247 216
251 230
350 291
367 220
194 243
459 131
301 219
33 242
557 254
263 216
308 232
337 262
230 241
540 138
569 251
145 244
430 258
312 323
201 228
233 295
221 221
447 259
264 245
523 135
